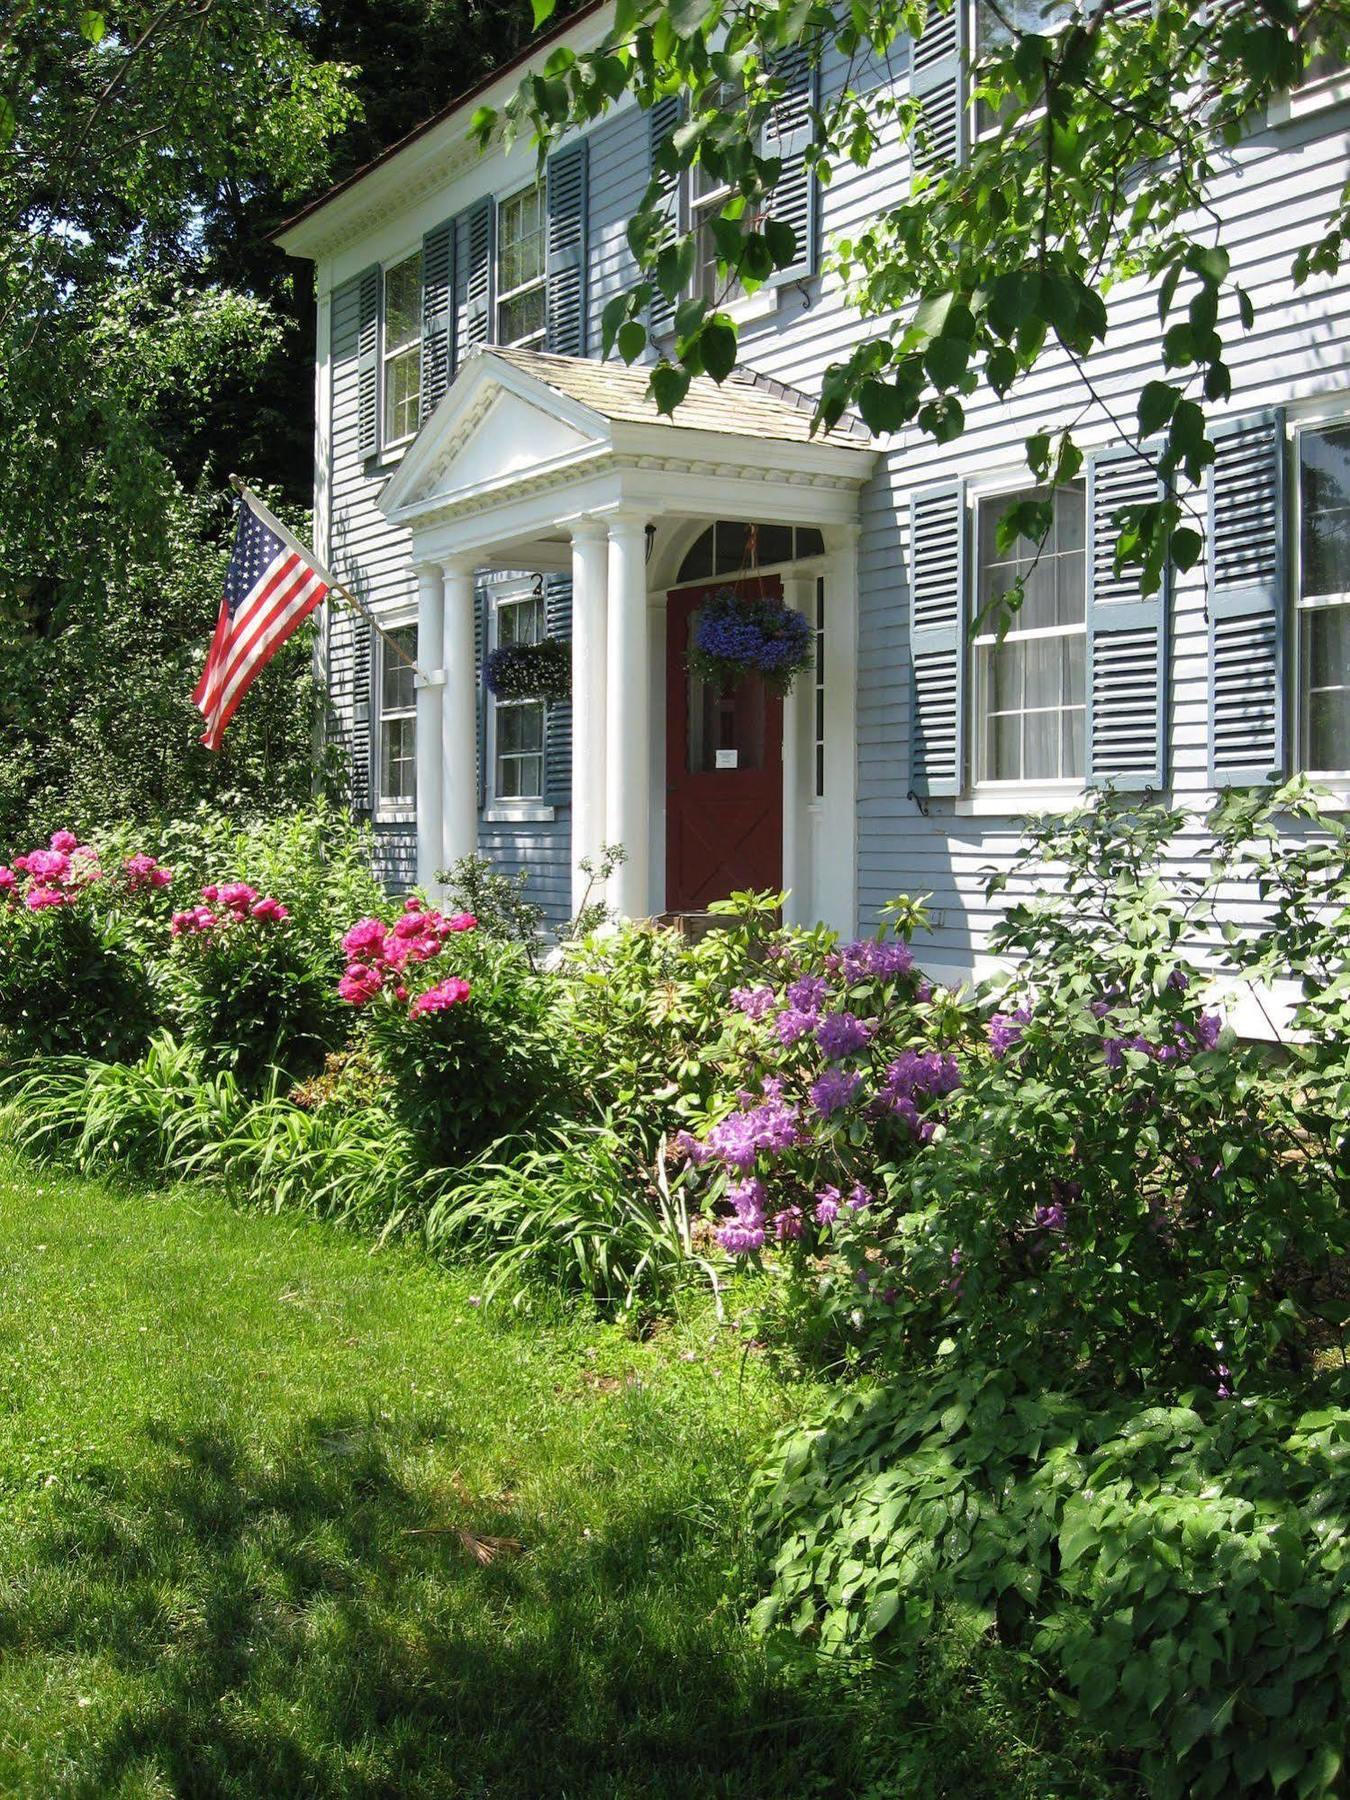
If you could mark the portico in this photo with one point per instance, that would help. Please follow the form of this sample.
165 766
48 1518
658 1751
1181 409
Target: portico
557 465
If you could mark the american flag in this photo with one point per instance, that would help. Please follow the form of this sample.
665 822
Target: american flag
271 587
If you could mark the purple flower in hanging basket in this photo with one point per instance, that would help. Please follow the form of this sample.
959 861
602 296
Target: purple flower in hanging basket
541 671
740 635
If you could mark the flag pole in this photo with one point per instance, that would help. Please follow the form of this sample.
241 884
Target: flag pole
337 587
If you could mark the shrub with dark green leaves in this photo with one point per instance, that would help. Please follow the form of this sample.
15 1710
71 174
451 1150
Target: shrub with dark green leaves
1182 1570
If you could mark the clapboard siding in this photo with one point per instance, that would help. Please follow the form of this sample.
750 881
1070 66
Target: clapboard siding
1278 189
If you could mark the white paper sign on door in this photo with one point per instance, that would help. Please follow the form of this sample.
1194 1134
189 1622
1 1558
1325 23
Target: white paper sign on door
727 759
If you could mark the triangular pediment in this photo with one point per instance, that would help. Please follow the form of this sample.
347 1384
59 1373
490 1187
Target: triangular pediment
495 427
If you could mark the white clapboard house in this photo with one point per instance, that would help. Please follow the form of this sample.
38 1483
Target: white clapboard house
485 479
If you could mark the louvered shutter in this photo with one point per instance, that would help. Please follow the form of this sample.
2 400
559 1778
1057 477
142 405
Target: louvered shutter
662 121
368 364
478 234
1247 627
937 628
794 198
566 189
438 313
1127 636
937 80
558 724
363 707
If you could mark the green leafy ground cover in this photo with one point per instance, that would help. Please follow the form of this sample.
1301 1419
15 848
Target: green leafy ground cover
235 1454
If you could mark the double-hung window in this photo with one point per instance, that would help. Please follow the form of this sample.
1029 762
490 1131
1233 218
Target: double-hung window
1323 601
1031 688
996 31
522 304
396 782
401 348
708 194
518 725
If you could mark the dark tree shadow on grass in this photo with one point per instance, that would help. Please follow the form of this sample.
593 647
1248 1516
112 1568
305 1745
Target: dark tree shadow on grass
288 1625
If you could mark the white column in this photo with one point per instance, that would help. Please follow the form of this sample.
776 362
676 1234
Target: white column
590 582
459 717
836 885
628 715
430 697
799 592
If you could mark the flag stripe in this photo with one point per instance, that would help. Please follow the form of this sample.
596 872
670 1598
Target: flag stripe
271 587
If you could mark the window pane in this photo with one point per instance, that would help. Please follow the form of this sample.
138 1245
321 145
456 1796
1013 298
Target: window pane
520 621
520 726
398 759
403 303
520 777
402 394
1325 529
1326 665
1054 581
397 692
520 256
522 319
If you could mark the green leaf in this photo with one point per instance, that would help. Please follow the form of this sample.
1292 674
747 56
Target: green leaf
687 16
92 26
669 386
1157 402
632 340
717 343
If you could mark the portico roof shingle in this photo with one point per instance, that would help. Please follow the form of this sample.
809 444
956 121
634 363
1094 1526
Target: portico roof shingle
745 405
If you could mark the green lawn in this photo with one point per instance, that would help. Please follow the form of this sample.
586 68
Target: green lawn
235 1452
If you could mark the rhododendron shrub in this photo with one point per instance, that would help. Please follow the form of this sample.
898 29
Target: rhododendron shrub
1124 1191
840 1060
74 978
458 1024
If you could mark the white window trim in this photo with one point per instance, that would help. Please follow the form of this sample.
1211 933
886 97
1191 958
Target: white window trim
1336 781
390 812
511 809
391 449
536 339
987 797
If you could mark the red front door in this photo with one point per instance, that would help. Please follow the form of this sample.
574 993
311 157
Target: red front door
724 769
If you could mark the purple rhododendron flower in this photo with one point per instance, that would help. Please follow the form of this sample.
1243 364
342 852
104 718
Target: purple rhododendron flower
1005 1030
868 956
788 1223
739 1139
1049 1218
860 1198
740 1239
1205 1031
792 1024
755 1003
833 1090
841 1034
808 993
827 1206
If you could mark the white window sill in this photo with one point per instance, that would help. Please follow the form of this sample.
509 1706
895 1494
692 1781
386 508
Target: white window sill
1014 801
395 815
1335 794
518 812
394 453
1316 97
750 308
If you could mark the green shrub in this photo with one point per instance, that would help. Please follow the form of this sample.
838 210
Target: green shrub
1182 1569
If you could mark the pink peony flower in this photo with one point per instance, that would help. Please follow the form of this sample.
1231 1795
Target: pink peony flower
268 911
143 871
461 922
238 896
192 923
38 899
450 992
360 983
210 891
47 866
64 842
8 880
365 942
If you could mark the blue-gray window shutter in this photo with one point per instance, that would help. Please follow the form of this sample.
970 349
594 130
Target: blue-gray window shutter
567 201
479 231
662 122
794 198
1127 636
558 725
368 363
438 313
363 708
1247 600
937 634
937 81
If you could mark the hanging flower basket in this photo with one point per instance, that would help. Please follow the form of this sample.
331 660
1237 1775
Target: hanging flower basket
739 636
541 671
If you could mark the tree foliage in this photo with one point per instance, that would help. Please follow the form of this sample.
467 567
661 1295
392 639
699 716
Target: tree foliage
1113 125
